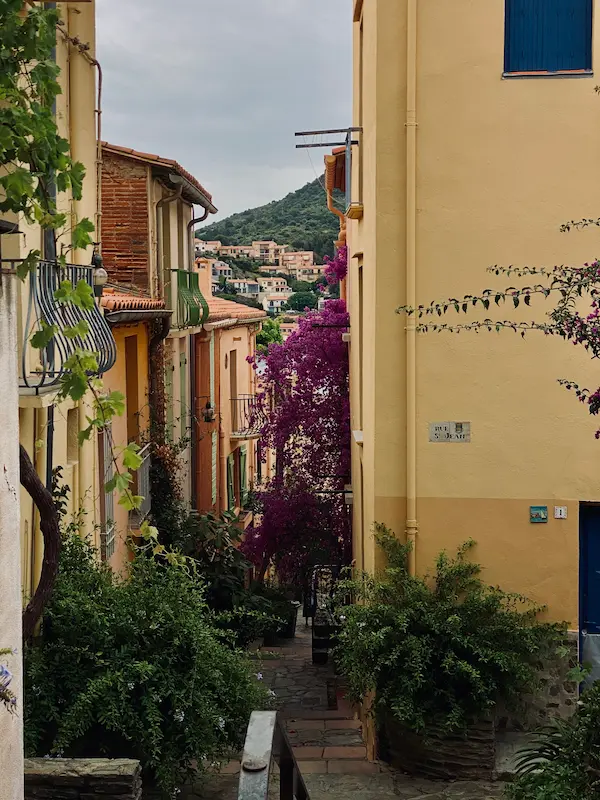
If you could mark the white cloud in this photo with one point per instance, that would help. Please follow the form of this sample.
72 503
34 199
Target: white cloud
221 86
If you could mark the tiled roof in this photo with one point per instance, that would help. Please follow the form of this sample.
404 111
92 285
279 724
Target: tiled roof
226 309
116 300
335 170
151 158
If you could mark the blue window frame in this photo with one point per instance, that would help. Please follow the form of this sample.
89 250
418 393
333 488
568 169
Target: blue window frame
548 36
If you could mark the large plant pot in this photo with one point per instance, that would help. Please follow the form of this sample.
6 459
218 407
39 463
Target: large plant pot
270 639
289 629
437 755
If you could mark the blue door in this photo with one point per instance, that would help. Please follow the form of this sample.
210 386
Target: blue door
589 569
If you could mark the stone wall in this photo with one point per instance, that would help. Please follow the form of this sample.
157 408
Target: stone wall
438 755
557 696
82 779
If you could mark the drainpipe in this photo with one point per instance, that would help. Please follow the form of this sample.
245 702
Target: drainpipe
411 269
190 236
156 396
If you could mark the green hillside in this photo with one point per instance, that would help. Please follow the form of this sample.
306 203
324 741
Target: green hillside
300 219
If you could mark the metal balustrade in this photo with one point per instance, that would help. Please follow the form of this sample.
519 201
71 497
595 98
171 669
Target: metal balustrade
41 370
247 417
267 743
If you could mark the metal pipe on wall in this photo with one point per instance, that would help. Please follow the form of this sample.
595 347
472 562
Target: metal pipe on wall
411 270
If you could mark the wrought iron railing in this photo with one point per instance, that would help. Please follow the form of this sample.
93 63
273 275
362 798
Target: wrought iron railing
143 481
267 743
247 417
41 370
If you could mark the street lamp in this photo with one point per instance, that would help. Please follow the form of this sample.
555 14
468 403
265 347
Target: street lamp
100 274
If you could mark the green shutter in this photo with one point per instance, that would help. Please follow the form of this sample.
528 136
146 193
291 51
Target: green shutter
214 467
169 392
230 486
243 475
182 395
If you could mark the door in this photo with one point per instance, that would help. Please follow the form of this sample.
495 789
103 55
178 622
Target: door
589 589
589 579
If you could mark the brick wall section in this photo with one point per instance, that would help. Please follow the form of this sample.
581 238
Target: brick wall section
125 225
82 779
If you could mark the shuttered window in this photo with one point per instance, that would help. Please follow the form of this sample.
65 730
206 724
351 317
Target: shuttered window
243 475
548 36
230 483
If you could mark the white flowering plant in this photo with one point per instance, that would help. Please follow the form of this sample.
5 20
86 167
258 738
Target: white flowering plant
134 667
7 698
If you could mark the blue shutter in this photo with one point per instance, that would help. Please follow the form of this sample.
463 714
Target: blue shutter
548 35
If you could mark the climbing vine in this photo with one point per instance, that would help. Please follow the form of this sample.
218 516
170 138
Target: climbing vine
37 170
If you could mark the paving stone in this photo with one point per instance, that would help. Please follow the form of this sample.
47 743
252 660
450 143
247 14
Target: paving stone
348 767
312 767
345 752
307 753
340 724
306 724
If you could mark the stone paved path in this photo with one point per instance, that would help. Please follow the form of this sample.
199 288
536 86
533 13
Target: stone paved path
327 740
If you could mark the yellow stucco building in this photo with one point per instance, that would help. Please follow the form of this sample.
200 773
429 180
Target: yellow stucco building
476 141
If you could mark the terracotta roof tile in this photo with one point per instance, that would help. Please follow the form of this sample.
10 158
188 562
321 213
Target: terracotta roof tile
226 309
151 158
115 300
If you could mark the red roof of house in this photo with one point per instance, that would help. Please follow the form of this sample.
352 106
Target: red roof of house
151 158
117 300
221 309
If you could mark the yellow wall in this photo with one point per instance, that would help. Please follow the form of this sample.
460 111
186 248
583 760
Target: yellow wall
500 165
76 121
115 380
242 340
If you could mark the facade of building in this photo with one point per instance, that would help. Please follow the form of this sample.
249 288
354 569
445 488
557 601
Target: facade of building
274 303
227 454
245 287
291 262
132 318
147 234
463 108
274 286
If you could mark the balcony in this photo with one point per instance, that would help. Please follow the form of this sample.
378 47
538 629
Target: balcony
41 370
247 417
192 308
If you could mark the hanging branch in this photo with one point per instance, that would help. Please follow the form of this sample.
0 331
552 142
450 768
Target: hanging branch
50 527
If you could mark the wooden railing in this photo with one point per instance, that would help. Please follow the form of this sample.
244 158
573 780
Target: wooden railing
267 743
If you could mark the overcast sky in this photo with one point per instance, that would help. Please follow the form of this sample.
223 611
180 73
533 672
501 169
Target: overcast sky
222 85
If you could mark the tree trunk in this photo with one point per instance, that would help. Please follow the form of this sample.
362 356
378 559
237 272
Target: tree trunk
50 526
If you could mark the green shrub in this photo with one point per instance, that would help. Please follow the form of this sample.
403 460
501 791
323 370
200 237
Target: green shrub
564 764
134 667
442 649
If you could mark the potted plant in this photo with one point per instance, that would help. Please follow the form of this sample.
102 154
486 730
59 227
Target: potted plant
438 653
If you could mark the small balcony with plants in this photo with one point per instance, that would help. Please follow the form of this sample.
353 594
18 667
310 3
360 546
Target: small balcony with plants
60 321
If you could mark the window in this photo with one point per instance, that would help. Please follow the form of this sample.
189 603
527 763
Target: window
230 483
243 476
548 36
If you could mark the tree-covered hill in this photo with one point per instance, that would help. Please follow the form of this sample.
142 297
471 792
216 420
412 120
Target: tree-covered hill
300 219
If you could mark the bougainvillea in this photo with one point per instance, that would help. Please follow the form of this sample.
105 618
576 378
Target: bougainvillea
567 284
305 388
336 268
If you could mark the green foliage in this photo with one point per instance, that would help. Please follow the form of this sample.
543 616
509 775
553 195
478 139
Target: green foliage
444 648
302 286
303 300
32 153
270 334
564 762
300 219
134 667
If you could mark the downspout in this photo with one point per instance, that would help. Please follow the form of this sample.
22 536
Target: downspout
411 269
190 235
